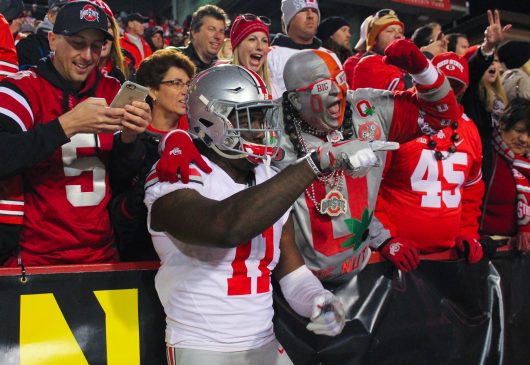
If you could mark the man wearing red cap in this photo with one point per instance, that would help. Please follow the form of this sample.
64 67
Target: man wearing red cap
437 181
370 71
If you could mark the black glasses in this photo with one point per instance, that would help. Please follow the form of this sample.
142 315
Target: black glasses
251 17
178 83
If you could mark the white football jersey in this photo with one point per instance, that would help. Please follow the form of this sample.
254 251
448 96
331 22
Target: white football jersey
214 298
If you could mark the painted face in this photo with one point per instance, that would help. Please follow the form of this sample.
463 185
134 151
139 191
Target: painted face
76 55
322 102
252 51
208 40
516 138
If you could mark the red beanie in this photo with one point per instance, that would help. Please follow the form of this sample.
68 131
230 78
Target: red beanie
241 28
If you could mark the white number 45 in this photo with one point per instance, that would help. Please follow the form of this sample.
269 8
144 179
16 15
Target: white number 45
425 178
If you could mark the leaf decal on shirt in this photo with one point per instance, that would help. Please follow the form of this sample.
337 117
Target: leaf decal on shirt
358 229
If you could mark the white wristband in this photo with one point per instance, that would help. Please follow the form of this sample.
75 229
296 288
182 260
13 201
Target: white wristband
299 288
427 76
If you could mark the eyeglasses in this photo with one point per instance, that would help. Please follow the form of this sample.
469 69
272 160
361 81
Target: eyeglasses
251 17
324 86
178 83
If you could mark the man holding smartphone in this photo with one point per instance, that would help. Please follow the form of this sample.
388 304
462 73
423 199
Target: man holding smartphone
56 132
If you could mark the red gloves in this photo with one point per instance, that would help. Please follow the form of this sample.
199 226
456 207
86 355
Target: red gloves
401 252
405 55
177 152
470 248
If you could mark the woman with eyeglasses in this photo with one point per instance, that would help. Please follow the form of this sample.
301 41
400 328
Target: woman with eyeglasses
250 44
167 73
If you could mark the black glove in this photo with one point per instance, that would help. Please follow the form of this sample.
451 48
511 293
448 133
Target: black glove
489 246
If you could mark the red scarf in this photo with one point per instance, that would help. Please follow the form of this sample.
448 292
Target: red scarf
520 166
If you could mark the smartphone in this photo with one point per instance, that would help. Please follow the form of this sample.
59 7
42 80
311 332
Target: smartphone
128 93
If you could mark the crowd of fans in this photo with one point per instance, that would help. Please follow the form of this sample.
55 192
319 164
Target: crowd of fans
73 170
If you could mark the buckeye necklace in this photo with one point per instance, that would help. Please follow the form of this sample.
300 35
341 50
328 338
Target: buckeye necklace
334 203
438 155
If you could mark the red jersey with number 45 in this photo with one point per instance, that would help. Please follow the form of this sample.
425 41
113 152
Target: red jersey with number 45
432 201
217 299
66 194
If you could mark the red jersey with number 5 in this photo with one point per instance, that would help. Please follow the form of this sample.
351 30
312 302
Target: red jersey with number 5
431 201
66 194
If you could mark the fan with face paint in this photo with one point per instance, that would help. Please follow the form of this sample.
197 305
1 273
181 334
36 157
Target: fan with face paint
317 88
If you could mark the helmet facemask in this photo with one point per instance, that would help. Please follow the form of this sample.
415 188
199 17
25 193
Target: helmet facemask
257 140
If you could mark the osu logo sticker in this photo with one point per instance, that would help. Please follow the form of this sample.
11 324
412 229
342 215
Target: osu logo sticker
369 131
89 13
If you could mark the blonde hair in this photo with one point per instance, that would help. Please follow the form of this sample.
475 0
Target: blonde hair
223 50
263 71
526 67
116 54
488 92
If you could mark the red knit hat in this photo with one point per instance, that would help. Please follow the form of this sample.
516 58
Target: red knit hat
243 25
452 66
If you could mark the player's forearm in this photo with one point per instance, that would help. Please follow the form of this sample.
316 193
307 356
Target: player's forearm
235 220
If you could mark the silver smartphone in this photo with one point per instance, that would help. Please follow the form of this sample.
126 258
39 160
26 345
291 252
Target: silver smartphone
128 93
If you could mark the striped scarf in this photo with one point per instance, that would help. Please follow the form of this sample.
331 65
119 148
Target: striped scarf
520 166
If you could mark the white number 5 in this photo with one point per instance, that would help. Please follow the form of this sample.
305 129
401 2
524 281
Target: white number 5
74 166
425 179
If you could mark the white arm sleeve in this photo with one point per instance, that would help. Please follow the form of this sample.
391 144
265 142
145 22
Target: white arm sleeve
299 288
427 76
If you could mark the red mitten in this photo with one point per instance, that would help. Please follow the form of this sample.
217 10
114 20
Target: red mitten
401 252
405 55
470 248
177 152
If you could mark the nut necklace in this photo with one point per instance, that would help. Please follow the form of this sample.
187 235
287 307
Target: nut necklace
455 137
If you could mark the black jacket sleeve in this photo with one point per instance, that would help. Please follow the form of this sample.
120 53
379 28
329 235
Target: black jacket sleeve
22 150
126 162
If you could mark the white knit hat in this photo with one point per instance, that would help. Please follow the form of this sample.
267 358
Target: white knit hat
292 7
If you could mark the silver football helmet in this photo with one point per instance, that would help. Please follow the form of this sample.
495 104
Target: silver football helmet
222 102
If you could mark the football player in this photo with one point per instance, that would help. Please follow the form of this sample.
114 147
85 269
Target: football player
219 237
